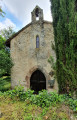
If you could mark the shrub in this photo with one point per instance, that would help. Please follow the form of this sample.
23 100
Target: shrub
43 99
5 83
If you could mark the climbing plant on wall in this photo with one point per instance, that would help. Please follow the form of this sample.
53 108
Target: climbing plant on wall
64 14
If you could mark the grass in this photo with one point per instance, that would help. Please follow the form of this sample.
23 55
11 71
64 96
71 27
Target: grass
5 83
18 110
20 105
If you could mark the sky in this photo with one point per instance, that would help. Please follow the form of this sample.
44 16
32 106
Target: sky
18 12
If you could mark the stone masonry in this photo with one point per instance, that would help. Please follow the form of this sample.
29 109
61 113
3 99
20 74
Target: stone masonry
26 57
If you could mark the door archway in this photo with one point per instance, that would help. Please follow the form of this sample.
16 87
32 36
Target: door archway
37 81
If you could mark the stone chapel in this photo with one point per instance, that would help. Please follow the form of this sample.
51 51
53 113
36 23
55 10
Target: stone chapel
30 49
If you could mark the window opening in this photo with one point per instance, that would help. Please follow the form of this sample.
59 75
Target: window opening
37 41
37 14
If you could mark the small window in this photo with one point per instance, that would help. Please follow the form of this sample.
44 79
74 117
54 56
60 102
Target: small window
76 5
37 41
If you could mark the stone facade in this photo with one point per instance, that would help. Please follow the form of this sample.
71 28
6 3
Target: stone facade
26 57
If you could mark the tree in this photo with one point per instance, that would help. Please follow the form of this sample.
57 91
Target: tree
5 63
5 60
7 33
1 11
2 42
64 14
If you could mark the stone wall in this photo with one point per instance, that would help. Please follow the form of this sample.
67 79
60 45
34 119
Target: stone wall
27 58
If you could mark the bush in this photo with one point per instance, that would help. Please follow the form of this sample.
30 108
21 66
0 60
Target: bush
46 99
19 93
5 83
43 99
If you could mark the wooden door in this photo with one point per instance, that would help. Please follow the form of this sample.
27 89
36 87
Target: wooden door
37 81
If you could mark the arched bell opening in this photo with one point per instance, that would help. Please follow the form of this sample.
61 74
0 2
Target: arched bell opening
37 14
37 81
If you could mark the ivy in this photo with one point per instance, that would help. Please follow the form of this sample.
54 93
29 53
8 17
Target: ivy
65 35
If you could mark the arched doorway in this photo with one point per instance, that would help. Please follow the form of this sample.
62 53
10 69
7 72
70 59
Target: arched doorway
37 81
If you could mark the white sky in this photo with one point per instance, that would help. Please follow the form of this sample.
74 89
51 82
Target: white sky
22 9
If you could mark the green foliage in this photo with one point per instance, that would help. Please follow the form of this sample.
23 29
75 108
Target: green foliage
27 105
7 33
65 35
19 93
2 13
5 83
51 61
5 60
43 99
2 43
5 63
53 65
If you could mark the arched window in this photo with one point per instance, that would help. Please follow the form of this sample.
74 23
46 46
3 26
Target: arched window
37 41
37 14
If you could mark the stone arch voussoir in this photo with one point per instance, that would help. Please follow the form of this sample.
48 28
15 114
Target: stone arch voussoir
28 76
